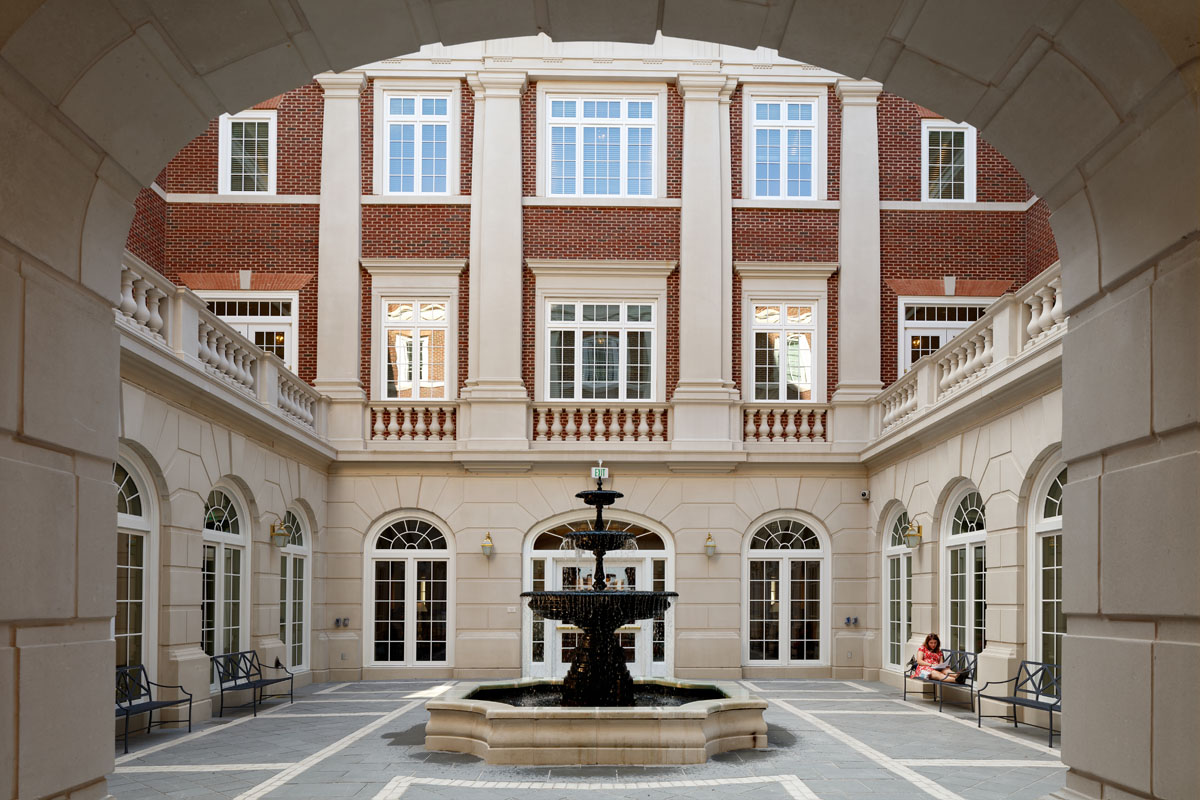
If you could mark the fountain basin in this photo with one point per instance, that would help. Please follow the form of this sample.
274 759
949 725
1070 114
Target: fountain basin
688 733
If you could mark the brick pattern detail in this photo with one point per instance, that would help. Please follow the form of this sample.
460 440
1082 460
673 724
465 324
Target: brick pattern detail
674 141
672 365
831 335
364 355
996 179
529 352
226 238
782 234
833 141
1040 248
366 133
193 170
416 231
736 321
589 232
736 135
301 120
464 327
231 282
529 140
981 245
466 140
146 238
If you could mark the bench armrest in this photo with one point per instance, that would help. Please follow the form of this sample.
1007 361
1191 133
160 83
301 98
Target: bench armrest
998 683
277 666
169 686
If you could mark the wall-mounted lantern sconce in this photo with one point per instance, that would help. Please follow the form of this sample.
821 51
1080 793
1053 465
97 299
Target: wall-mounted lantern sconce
280 535
710 547
488 546
912 535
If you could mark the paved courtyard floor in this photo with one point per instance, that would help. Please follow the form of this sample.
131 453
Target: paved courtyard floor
828 740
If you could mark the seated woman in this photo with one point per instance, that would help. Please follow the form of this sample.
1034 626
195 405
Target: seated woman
929 662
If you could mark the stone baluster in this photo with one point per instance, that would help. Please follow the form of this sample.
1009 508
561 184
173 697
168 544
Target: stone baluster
555 426
1035 314
448 428
420 428
127 305
989 352
627 430
572 430
789 431
818 429
748 430
406 427
542 427
435 425
764 429
1046 320
656 432
805 430
600 430
140 313
643 428
585 424
154 298
1056 311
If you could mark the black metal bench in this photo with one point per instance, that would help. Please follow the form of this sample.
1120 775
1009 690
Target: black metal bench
1037 685
959 661
135 695
241 670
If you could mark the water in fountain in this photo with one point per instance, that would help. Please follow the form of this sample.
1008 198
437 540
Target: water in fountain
598 675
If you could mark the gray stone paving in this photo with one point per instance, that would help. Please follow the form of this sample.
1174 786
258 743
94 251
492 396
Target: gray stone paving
829 740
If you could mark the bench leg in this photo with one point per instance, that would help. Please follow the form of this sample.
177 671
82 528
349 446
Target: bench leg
127 733
1014 714
149 721
189 715
1051 742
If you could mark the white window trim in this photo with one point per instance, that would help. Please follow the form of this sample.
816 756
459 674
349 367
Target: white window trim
902 304
759 91
569 281
1037 528
890 551
147 526
452 88
414 279
372 555
791 282
224 136
969 157
824 554
547 90
293 321
304 552
242 541
949 542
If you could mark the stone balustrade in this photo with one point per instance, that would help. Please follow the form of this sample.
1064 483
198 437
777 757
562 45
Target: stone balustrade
579 423
898 401
965 358
785 423
297 399
1042 308
142 307
413 422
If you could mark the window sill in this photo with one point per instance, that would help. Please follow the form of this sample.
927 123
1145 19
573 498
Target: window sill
416 199
606 202
798 205
952 205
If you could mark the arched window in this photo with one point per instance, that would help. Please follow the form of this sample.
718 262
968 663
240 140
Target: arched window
898 605
134 625
410 572
293 592
552 563
1048 624
787 605
966 573
224 612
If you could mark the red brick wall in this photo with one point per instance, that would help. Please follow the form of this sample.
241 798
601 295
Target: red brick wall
301 118
831 335
833 139
464 326
416 231
227 237
529 140
590 232
935 244
146 238
672 333
736 317
735 142
1040 248
674 141
193 170
781 234
364 354
366 132
466 139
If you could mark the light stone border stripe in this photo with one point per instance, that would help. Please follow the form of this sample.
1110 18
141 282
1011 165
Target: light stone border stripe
930 787
273 783
143 768
396 787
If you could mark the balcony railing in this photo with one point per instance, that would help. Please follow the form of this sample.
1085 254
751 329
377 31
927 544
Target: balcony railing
1014 326
401 421
180 325
784 424
637 423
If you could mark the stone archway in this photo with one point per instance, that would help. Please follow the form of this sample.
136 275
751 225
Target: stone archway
1095 102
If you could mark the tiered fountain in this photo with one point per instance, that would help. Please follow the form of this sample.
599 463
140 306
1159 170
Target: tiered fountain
598 714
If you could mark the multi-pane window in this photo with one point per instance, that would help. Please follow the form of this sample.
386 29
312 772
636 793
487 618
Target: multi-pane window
601 146
417 131
927 326
967 575
246 148
414 349
899 590
269 321
130 627
293 592
600 351
411 608
948 161
222 603
785 622
784 336
784 134
1049 621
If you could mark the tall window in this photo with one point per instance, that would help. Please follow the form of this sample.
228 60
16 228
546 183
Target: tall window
786 621
414 353
293 592
600 351
966 555
784 133
784 340
1049 624
131 628
268 320
898 560
417 132
410 572
246 150
928 323
601 146
947 161
223 611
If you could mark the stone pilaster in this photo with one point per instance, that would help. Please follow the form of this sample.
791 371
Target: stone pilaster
340 246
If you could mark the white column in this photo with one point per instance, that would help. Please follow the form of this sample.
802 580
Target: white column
703 401
859 259
340 246
494 399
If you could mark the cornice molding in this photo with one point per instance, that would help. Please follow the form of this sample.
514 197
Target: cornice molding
701 85
486 84
859 93
413 266
624 268
785 269
342 84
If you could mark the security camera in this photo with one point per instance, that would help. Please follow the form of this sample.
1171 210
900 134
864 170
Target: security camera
865 494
